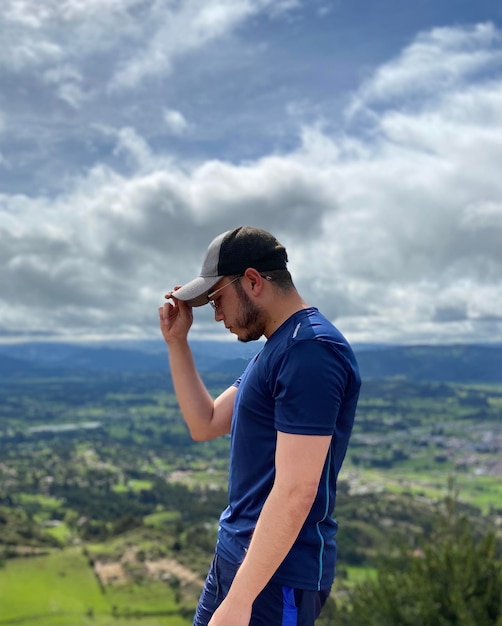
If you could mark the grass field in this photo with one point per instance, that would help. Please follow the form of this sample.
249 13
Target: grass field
484 492
356 575
60 589
162 518
133 485
61 532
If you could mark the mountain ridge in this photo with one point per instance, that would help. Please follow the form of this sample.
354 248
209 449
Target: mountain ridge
477 363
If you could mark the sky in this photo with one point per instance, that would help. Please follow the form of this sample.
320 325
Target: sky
366 135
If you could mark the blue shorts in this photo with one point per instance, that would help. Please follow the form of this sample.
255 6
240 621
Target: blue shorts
275 606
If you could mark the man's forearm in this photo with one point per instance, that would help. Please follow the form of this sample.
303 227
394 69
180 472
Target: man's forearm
299 463
206 418
279 524
195 402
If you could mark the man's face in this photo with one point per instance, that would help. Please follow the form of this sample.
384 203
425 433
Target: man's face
241 316
249 317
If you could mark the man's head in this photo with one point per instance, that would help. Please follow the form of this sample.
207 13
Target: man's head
231 254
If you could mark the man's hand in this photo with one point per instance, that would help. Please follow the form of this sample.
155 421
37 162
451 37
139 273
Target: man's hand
231 614
175 318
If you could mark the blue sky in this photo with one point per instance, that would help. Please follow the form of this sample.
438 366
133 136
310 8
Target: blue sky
366 135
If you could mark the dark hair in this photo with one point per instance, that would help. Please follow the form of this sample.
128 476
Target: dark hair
281 278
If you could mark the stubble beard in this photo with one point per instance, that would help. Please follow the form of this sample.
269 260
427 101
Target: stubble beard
249 317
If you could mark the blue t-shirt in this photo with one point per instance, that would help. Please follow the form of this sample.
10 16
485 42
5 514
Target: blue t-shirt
304 381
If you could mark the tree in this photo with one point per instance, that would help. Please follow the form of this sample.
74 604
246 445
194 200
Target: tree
454 578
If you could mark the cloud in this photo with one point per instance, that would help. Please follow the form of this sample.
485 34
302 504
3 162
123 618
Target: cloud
52 32
113 236
68 82
131 41
175 122
416 238
71 68
176 30
443 58
393 223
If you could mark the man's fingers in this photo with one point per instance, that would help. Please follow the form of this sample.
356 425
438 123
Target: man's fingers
167 312
170 294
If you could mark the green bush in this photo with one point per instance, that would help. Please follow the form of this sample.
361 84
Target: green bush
454 578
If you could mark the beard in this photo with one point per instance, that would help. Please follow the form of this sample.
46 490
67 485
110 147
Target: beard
249 317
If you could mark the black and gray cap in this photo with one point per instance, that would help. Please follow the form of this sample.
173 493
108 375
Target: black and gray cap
231 253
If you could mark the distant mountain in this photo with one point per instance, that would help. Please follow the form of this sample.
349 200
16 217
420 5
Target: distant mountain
57 359
10 366
61 360
115 360
444 363
447 363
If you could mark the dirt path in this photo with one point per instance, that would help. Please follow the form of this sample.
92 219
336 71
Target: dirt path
113 572
170 566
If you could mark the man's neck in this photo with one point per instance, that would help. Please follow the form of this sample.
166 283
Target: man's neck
282 308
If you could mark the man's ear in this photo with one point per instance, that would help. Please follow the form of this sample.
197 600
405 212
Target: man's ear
254 279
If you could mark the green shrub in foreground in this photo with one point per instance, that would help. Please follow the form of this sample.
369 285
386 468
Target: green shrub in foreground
453 579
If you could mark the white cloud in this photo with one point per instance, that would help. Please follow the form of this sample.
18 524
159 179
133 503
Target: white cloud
2 126
139 39
68 81
437 60
175 122
183 28
393 225
29 54
134 146
44 33
482 215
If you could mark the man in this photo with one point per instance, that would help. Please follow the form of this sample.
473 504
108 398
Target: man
290 415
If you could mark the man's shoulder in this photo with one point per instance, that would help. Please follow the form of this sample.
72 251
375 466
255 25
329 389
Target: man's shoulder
325 341
313 325
307 326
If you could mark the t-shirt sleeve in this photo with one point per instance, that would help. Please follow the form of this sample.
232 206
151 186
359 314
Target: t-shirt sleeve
309 388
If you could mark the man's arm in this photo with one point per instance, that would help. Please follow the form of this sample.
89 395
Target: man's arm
299 463
206 418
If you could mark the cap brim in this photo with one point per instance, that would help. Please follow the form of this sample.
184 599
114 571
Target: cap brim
195 292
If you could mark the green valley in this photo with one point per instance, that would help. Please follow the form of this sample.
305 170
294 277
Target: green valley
108 510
